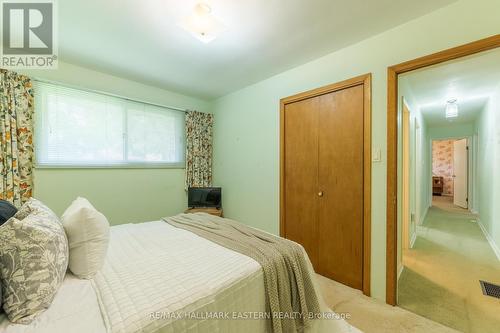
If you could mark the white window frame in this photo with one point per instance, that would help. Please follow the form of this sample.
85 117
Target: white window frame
120 165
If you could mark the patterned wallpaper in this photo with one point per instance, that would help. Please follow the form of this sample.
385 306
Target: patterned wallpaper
442 163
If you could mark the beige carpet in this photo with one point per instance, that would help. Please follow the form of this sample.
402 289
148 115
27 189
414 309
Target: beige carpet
442 271
373 316
445 204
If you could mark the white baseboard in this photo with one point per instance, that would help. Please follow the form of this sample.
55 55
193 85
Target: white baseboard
400 270
413 239
424 215
493 245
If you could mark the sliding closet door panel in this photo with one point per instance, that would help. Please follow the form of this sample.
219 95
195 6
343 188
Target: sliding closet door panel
341 183
301 175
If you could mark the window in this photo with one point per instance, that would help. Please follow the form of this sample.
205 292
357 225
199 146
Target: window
76 128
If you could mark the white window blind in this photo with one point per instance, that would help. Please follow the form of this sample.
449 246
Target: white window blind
77 128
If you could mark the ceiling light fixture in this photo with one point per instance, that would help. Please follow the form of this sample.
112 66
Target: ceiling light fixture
202 24
452 108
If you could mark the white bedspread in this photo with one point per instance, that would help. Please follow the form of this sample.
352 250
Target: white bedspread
74 309
154 268
155 279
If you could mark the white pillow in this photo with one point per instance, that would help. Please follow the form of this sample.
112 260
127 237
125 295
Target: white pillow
88 237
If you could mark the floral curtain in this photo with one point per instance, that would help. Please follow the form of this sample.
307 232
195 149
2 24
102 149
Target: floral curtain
16 137
198 149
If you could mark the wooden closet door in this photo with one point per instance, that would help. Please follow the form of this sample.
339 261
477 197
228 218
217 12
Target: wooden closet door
340 253
301 170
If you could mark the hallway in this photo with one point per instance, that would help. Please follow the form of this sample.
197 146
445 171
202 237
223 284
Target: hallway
440 280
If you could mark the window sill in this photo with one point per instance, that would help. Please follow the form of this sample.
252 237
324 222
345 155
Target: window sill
113 166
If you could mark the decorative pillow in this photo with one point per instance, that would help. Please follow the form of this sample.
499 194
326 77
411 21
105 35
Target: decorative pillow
88 237
7 210
33 261
34 205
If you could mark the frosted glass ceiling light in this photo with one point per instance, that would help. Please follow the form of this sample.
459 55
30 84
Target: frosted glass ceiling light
452 109
202 24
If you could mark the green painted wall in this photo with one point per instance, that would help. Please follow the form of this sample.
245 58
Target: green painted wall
452 132
123 195
246 161
488 185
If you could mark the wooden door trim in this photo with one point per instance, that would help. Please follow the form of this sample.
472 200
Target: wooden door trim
364 80
392 143
406 161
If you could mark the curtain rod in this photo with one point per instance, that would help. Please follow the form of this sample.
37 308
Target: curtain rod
108 94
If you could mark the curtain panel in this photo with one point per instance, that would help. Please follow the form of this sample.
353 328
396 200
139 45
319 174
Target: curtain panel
199 127
16 137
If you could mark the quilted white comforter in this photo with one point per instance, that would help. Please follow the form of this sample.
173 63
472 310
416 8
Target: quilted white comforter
161 279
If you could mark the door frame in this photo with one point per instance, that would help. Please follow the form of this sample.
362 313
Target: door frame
406 184
392 143
364 80
418 175
467 163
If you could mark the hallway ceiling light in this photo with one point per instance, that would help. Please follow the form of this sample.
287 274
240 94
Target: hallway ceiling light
452 109
202 24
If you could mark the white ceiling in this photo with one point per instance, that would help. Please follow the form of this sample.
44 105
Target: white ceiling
140 39
471 80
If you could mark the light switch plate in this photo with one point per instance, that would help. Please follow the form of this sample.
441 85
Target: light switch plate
377 155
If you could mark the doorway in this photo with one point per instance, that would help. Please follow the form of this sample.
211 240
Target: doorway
450 173
450 198
486 44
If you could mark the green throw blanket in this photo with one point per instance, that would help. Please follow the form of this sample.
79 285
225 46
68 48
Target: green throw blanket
288 282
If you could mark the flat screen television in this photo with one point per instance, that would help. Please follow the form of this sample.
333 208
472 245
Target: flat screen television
202 197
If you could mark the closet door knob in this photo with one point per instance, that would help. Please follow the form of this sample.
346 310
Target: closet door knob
320 193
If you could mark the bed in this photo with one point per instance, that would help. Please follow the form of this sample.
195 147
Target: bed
158 278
